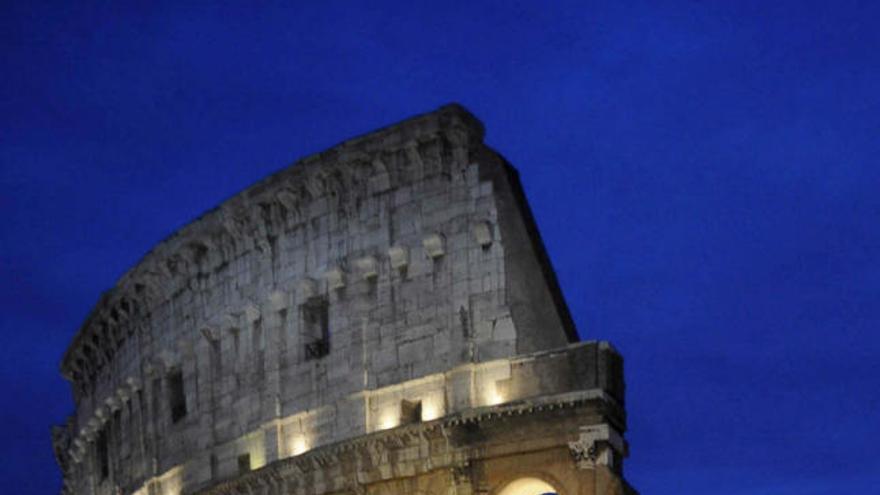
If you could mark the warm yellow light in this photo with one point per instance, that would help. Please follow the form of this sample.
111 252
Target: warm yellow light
258 459
299 446
171 482
430 410
491 395
389 420
527 486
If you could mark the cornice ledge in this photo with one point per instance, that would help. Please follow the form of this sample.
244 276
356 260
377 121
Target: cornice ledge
395 438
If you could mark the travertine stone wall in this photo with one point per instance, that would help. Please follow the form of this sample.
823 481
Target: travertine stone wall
570 440
406 256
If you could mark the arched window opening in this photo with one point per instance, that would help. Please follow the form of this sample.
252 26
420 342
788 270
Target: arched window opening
528 486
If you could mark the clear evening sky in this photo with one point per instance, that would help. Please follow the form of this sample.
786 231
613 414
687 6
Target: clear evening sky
705 176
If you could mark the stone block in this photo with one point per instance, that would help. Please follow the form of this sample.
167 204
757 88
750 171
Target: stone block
434 245
398 257
335 277
367 267
482 233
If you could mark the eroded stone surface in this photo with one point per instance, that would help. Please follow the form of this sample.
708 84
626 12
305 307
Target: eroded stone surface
374 319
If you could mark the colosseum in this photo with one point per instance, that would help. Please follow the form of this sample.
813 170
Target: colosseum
379 318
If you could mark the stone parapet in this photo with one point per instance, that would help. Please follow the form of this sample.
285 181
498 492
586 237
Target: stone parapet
294 455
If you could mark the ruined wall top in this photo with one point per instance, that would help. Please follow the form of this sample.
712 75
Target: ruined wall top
347 172
393 276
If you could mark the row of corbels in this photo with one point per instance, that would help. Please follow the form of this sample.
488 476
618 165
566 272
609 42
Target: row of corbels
108 325
242 222
367 267
151 283
89 432
377 448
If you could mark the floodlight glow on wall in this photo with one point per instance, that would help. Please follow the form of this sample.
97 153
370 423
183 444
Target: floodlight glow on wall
431 409
299 445
389 419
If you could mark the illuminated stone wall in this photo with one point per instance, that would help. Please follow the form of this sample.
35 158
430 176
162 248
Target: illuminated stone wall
397 274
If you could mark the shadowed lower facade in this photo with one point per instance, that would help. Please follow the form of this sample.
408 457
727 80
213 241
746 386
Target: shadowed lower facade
379 318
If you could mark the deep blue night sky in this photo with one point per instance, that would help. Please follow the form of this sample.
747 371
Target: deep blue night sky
705 177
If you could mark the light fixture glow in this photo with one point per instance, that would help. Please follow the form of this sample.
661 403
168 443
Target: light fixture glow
430 410
389 420
258 459
299 445
527 486
493 397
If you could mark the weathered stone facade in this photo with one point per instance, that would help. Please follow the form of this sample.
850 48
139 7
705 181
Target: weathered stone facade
379 318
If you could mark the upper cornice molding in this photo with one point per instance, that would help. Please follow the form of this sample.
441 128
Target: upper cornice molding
351 170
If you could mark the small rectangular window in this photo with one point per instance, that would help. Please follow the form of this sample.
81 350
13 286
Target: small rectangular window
176 396
156 398
410 411
258 336
103 454
244 463
316 327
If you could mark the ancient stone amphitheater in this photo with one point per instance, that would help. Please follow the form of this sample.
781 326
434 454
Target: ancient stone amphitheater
380 318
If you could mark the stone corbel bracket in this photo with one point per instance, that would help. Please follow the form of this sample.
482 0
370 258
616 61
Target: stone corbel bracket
167 359
252 312
482 232
597 445
113 403
278 300
335 278
435 245
368 267
398 257
306 289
